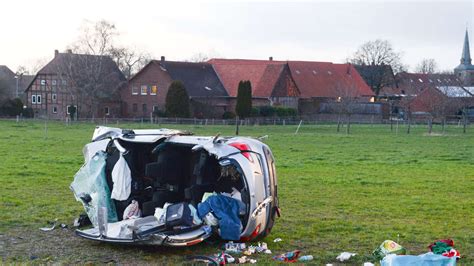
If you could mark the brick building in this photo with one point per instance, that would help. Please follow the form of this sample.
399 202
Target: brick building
146 90
84 85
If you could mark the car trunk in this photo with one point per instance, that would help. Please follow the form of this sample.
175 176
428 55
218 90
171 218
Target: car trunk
162 173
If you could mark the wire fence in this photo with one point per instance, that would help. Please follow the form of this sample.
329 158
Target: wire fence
297 120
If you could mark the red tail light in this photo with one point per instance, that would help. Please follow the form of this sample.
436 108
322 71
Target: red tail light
252 236
242 147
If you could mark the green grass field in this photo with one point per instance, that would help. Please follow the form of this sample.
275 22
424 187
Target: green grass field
338 192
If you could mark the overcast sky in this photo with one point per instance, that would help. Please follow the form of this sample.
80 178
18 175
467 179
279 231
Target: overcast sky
286 30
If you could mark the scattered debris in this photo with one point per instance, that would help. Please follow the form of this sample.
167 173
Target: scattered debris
368 264
423 259
291 256
444 247
53 226
306 258
82 220
277 240
388 247
232 247
345 256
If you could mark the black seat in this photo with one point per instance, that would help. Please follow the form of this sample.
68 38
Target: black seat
167 182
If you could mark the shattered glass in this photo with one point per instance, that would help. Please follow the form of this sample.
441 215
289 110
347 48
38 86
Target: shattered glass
91 189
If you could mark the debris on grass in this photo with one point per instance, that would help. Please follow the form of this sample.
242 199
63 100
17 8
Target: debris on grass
277 240
388 247
444 247
52 226
345 256
291 256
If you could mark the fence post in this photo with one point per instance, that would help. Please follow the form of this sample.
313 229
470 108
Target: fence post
298 128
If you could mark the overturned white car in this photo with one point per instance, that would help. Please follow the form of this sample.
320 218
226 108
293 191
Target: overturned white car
168 187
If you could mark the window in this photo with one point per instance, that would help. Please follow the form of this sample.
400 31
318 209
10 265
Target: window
33 99
134 107
156 108
54 96
43 82
55 110
106 110
134 90
64 82
53 82
38 99
154 89
144 90
71 109
144 108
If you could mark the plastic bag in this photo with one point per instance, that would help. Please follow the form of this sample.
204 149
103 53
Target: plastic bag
132 211
122 178
389 247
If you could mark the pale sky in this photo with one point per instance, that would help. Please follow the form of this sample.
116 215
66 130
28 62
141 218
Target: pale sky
286 30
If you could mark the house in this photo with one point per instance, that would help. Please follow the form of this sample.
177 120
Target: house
146 90
271 81
428 94
298 84
76 85
13 85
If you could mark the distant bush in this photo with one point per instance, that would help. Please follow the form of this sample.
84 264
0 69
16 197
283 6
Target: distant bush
255 112
228 115
11 107
28 112
243 107
270 111
177 100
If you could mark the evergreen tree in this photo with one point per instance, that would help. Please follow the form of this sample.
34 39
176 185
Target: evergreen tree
243 107
177 100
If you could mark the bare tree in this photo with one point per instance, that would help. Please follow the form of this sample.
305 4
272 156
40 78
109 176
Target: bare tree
22 70
96 38
88 67
130 61
377 55
427 66
346 102
203 57
198 58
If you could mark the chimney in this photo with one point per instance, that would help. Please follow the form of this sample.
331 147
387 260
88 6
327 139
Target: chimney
270 58
162 59
348 69
56 52
69 51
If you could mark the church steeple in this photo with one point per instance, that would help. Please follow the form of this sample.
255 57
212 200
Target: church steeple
466 54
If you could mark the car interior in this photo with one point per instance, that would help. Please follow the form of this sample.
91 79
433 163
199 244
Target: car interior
166 172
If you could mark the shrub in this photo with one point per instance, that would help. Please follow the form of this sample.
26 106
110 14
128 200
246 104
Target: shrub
177 100
267 111
228 115
11 107
243 107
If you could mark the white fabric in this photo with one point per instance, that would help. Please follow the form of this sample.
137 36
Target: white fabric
132 211
122 178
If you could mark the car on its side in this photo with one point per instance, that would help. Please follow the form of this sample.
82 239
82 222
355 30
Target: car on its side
153 169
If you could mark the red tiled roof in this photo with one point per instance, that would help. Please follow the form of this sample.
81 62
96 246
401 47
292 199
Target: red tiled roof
325 79
262 74
313 79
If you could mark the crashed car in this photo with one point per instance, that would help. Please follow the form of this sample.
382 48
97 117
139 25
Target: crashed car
169 187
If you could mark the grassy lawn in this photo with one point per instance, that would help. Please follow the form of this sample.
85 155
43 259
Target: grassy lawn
338 192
